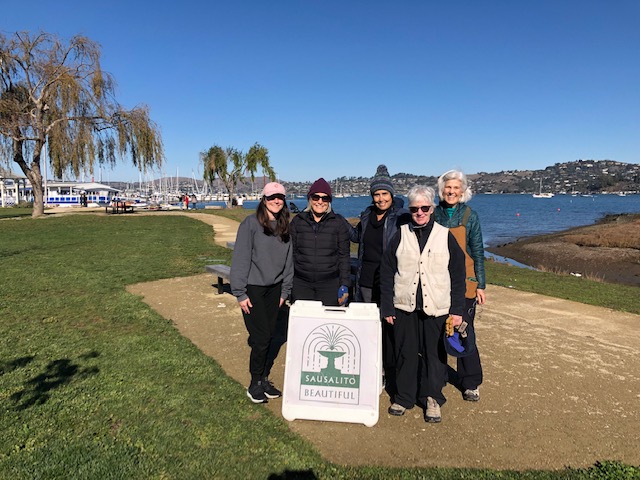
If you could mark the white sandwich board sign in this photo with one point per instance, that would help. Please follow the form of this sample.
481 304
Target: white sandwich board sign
333 366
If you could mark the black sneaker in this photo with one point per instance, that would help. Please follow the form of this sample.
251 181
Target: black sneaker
269 390
471 395
256 394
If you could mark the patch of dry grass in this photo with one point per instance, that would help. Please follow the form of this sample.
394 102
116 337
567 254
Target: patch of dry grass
558 271
613 235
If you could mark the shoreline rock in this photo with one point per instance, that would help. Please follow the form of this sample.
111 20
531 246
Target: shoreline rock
608 250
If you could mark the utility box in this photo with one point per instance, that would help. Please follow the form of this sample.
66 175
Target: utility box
333 367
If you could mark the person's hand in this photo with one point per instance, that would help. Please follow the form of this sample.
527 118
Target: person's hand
282 300
456 320
245 305
343 295
480 296
390 319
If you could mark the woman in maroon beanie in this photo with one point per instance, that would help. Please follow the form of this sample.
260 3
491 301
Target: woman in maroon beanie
320 241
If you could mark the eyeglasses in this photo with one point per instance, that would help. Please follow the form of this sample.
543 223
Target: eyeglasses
275 196
424 208
324 198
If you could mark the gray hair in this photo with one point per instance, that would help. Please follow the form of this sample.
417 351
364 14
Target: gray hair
455 175
421 191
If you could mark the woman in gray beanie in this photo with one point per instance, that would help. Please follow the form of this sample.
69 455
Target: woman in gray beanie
378 224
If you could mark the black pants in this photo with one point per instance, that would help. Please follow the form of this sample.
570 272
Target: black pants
261 324
421 360
372 295
469 368
325 291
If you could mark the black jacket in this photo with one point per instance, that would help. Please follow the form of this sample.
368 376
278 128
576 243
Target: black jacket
320 249
397 216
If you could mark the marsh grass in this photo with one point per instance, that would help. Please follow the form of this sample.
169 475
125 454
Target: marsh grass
616 231
94 384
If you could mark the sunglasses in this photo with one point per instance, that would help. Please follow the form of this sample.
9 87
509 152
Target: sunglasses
424 208
275 196
323 198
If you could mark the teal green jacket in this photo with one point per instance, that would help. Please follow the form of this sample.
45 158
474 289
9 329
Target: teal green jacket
475 245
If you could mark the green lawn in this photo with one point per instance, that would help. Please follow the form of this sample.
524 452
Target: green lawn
15 212
96 385
578 289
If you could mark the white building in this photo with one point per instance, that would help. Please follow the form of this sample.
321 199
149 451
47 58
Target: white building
15 189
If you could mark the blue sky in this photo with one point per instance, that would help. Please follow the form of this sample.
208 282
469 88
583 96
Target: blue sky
335 88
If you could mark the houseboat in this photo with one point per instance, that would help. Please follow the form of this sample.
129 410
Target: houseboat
69 194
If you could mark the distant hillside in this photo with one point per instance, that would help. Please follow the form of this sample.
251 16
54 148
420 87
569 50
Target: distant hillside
581 176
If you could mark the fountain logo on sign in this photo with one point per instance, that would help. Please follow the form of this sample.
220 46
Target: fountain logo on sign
331 366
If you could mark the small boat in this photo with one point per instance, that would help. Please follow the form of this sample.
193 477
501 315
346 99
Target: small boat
541 194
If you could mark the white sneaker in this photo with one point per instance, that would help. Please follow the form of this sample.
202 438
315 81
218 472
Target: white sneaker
397 410
432 413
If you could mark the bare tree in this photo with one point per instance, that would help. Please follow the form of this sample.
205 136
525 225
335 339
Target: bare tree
55 93
231 166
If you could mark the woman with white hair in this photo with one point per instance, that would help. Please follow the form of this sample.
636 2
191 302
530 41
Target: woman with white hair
421 284
454 213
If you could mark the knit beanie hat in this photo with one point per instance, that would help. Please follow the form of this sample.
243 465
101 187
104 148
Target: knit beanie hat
382 181
320 186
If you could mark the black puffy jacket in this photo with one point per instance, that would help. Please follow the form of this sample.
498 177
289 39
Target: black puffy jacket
321 249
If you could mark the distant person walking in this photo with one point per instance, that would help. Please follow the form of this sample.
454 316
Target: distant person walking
378 224
421 284
453 212
261 280
321 255
185 199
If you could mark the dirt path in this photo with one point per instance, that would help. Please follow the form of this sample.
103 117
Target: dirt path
562 383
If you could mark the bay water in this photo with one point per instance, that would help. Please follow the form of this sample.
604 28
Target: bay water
509 217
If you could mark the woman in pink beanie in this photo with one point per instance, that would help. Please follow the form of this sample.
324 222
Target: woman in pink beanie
261 280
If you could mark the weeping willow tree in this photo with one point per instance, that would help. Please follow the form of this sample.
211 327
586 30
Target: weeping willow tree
55 94
232 166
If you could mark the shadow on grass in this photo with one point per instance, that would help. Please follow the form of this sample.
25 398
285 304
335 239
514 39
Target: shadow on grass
294 475
10 366
57 373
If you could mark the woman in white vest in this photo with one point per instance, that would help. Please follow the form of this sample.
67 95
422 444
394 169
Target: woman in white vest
422 282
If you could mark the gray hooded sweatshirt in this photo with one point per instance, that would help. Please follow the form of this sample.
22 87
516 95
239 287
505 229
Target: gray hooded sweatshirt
260 259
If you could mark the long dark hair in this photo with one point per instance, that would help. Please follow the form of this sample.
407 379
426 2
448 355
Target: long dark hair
282 221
